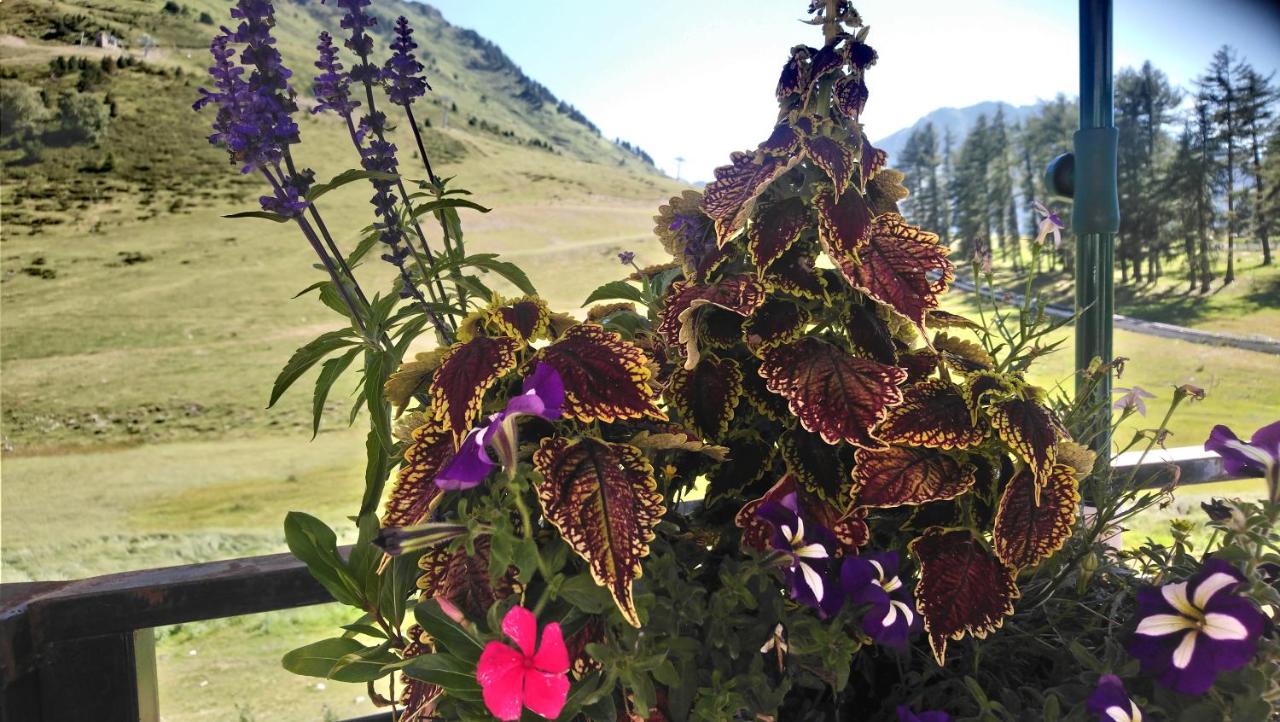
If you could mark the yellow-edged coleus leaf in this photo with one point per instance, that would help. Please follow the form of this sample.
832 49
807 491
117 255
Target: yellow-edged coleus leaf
987 387
962 354
850 94
603 499
933 413
902 475
413 377
774 229
938 318
783 141
1029 429
844 225
773 324
527 318
415 491
832 392
678 319
463 578
872 162
885 190
822 469
1027 532
963 588
730 198
706 395
720 329
751 459
834 157
794 78
901 266
849 527
869 333
467 371
795 274
605 377
758 395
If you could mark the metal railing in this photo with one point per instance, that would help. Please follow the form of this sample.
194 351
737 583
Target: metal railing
84 649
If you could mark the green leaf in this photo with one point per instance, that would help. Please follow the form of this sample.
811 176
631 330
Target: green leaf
453 637
345 177
315 545
615 289
582 592
306 357
451 674
267 215
366 244
330 371
375 378
339 658
377 469
433 206
506 269
399 583
475 285
366 629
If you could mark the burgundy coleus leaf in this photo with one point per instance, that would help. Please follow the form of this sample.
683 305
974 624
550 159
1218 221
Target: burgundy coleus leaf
689 235
835 158
873 159
822 469
869 333
795 74
463 578
783 141
416 696
1028 531
962 354
827 60
773 324
919 363
986 387
775 228
933 414
465 374
603 499
730 198
1029 430
849 529
896 264
794 273
720 328
707 395
902 475
750 460
850 94
832 392
415 492
859 54
526 318
605 377
756 393
844 225
677 322
963 588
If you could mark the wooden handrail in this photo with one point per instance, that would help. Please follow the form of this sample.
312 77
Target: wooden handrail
97 631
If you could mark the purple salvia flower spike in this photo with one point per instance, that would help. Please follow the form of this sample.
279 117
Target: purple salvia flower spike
402 73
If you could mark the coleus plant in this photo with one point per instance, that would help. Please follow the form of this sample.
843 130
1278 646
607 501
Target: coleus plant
736 494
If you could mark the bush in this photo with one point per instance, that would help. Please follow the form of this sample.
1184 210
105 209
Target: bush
82 117
206 19
22 111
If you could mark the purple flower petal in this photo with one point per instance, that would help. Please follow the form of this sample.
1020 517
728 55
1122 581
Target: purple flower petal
905 714
470 466
1110 702
1238 458
542 395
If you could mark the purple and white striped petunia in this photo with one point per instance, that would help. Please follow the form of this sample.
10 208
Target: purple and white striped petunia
1260 456
807 546
872 579
1111 703
906 714
1190 631
542 395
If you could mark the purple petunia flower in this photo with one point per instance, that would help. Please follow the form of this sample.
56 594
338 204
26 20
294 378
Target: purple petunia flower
808 548
905 714
1132 399
1190 631
872 579
1260 456
1111 703
402 73
542 395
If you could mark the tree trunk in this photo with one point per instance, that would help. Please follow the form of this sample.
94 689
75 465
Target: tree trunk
1190 244
1260 212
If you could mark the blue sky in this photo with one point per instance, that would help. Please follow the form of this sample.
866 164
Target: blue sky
694 78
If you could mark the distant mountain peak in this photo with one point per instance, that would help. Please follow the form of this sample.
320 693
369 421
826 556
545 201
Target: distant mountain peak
958 120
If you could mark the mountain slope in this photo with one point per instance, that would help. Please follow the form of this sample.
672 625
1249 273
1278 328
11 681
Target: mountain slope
958 120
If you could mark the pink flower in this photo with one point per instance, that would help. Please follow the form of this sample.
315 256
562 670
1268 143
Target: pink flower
513 679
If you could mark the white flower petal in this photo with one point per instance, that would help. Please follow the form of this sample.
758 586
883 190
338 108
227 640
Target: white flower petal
906 611
1136 715
799 537
1182 655
1118 714
1253 452
1176 596
786 532
1211 586
879 569
813 580
892 585
891 617
1158 625
812 551
1224 627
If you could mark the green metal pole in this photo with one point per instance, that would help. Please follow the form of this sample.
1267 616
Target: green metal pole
1095 214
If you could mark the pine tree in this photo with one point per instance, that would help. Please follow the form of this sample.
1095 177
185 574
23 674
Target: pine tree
1000 185
1218 88
1257 95
970 192
1144 103
945 185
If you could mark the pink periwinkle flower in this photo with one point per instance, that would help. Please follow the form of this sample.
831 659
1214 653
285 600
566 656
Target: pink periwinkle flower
531 675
